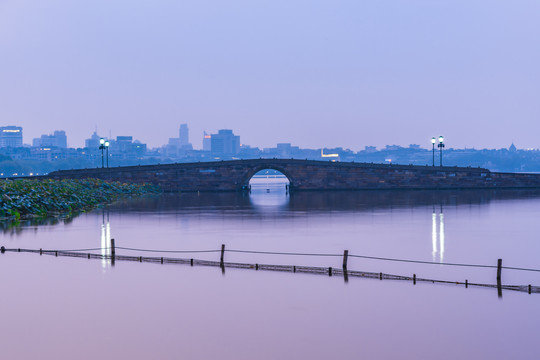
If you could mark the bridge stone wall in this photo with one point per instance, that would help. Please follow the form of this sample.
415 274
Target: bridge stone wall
306 175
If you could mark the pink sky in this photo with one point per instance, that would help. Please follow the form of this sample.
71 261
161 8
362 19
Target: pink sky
313 73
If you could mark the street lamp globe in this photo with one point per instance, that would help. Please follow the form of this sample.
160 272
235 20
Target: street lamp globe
433 140
102 141
441 139
106 144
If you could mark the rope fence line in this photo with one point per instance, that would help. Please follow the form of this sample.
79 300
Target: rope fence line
169 251
306 254
281 253
329 271
426 262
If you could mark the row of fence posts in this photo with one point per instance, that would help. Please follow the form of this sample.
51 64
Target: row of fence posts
345 272
346 275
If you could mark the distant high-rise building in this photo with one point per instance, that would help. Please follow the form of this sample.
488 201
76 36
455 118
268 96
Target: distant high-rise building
93 142
206 142
58 139
225 143
184 135
124 139
10 136
286 149
123 143
125 148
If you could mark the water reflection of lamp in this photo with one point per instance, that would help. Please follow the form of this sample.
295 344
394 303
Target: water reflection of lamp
437 242
441 234
434 235
105 241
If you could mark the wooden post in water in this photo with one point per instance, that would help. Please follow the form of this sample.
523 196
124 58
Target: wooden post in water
466 283
222 255
499 283
113 249
3 249
530 290
345 258
113 252
414 279
191 262
330 271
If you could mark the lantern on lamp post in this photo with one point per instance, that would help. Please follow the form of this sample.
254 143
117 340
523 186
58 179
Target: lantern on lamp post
107 149
433 141
102 147
441 146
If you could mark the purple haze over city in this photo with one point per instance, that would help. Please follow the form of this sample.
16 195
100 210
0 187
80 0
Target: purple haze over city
313 73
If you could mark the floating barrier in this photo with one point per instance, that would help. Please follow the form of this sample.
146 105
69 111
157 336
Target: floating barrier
316 270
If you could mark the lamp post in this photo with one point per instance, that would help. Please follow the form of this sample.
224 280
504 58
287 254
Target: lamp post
107 148
102 147
433 140
441 146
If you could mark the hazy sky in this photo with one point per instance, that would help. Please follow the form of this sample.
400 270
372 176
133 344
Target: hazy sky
314 73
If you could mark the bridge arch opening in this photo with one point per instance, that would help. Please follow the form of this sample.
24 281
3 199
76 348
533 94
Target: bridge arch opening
269 189
269 181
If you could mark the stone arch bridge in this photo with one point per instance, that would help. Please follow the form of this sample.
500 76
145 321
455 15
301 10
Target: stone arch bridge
234 175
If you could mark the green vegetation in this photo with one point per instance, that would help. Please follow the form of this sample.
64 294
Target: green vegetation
43 198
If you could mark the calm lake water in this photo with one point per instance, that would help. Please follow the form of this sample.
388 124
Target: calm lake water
68 308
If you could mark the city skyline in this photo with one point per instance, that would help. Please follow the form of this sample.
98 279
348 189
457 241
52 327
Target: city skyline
348 74
187 140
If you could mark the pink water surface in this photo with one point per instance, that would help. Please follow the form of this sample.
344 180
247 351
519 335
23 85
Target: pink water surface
67 308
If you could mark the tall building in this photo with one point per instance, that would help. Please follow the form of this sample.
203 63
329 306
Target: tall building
225 143
57 139
184 135
123 143
206 142
125 148
10 136
93 142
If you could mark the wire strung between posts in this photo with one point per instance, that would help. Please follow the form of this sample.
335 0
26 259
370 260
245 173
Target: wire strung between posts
75 250
280 253
423 262
517 268
306 254
286 268
169 251
440 263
